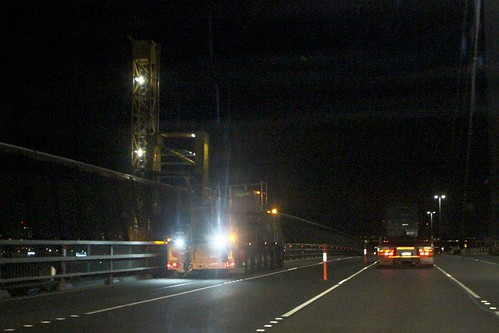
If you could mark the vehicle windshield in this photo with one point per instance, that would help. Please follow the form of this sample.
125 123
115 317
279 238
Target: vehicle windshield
249 166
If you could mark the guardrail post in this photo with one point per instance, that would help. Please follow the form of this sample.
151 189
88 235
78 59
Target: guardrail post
61 285
111 266
111 279
89 253
64 255
129 261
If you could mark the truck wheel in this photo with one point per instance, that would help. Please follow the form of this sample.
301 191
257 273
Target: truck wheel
273 258
280 258
258 260
246 265
266 259
248 262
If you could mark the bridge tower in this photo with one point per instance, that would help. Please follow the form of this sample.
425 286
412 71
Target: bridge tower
149 148
146 142
145 106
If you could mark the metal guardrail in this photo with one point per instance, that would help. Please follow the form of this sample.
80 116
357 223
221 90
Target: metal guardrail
38 262
24 262
475 251
293 251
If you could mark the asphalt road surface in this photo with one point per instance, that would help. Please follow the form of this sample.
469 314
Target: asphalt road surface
459 294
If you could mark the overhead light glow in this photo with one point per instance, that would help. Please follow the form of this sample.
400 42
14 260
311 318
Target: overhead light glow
220 241
179 242
140 79
232 238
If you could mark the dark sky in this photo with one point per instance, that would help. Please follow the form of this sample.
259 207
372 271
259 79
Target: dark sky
339 105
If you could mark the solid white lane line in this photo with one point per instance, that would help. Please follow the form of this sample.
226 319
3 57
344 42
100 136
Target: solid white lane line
265 275
154 299
293 269
468 290
176 285
488 262
313 299
179 294
484 261
201 289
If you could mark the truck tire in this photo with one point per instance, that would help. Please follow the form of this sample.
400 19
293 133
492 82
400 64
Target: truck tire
280 257
259 260
273 255
252 260
248 262
266 259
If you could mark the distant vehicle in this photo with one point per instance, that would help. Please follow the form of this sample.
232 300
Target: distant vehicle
404 251
402 244
235 235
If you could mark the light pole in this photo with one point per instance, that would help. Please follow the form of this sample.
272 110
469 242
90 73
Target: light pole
431 227
440 197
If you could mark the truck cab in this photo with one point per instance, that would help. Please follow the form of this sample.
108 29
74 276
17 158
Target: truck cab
235 234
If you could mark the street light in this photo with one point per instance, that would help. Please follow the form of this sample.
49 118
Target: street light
431 226
440 197
274 211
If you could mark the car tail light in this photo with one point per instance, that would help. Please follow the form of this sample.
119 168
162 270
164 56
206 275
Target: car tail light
230 264
171 265
425 252
387 252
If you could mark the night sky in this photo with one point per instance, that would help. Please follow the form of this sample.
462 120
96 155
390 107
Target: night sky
341 106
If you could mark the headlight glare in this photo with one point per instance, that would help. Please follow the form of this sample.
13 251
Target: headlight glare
179 242
220 241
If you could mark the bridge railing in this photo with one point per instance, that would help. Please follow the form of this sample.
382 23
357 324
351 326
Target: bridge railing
294 251
25 262
38 262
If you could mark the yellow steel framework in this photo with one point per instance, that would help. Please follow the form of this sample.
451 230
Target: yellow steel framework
150 156
145 105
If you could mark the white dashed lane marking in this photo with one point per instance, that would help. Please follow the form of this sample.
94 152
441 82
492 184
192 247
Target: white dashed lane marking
487 304
313 299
